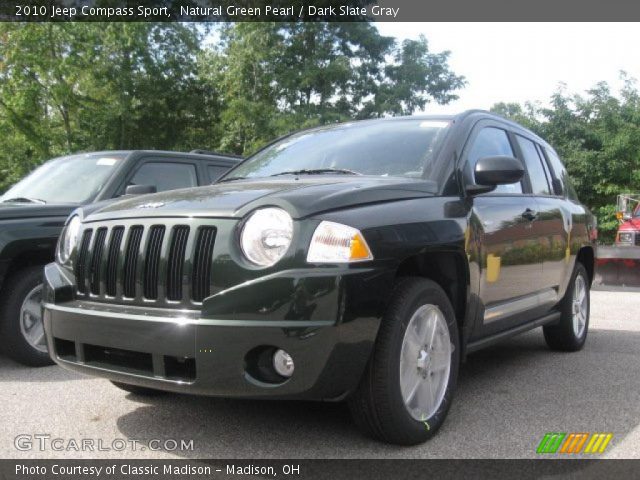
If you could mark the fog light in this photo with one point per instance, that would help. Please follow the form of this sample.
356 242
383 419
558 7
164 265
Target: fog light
283 363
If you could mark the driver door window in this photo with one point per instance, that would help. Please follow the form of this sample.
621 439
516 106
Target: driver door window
166 176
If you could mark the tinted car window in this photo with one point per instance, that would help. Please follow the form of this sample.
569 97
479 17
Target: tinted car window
560 173
216 171
166 176
492 142
539 183
545 165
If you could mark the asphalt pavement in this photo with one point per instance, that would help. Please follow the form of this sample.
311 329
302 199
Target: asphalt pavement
508 397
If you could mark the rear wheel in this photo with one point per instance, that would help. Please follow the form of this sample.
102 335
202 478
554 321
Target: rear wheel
408 387
570 334
137 390
21 326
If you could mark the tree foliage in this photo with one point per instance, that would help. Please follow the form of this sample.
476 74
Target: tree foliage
67 87
598 137
76 87
276 77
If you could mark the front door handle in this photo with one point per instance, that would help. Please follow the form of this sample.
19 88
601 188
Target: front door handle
530 215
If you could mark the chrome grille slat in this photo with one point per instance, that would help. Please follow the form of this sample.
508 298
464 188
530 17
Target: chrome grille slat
81 261
131 261
175 262
152 262
120 264
112 261
95 267
201 275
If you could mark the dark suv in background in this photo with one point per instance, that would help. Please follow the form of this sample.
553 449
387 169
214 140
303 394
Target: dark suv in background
357 261
32 214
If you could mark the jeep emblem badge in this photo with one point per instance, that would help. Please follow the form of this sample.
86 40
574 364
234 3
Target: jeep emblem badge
151 205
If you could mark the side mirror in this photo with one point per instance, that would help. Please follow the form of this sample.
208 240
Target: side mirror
140 189
492 171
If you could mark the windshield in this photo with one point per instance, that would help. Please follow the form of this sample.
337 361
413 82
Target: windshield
72 179
388 148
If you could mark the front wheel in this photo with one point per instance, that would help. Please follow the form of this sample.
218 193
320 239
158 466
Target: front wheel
21 327
570 334
408 387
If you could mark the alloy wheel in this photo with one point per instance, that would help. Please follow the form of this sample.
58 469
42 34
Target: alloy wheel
579 306
31 325
425 362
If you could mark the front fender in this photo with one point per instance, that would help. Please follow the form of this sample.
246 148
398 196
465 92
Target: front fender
35 237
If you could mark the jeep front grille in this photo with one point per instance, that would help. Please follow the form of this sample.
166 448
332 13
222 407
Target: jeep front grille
165 265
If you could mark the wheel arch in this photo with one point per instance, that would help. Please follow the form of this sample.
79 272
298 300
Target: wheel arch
28 258
586 256
450 270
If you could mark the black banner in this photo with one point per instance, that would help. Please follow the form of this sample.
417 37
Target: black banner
317 469
317 10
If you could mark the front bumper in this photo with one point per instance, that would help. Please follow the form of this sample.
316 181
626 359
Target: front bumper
216 353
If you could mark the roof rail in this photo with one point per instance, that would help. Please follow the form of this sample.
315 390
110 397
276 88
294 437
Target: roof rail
211 152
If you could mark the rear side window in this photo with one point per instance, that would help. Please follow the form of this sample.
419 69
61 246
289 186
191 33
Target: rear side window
560 174
216 171
537 176
166 175
492 142
545 165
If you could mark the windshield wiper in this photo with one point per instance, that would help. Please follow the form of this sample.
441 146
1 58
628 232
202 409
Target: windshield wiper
230 179
318 171
23 200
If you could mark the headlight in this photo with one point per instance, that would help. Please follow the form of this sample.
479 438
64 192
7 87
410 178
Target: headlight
266 236
69 239
337 243
625 237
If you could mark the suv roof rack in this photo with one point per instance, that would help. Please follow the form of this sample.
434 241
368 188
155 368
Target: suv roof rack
211 152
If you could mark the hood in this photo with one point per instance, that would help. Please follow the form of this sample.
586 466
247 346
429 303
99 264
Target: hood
300 196
31 210
630 225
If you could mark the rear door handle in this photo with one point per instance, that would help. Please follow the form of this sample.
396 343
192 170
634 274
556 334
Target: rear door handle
529 214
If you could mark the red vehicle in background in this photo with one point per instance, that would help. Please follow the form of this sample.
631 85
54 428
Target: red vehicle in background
629 215
619 264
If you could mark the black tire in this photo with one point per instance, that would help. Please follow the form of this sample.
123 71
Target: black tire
377 405
15 345
137 390
562 335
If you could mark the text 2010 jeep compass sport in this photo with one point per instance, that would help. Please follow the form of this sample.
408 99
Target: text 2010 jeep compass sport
359 261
